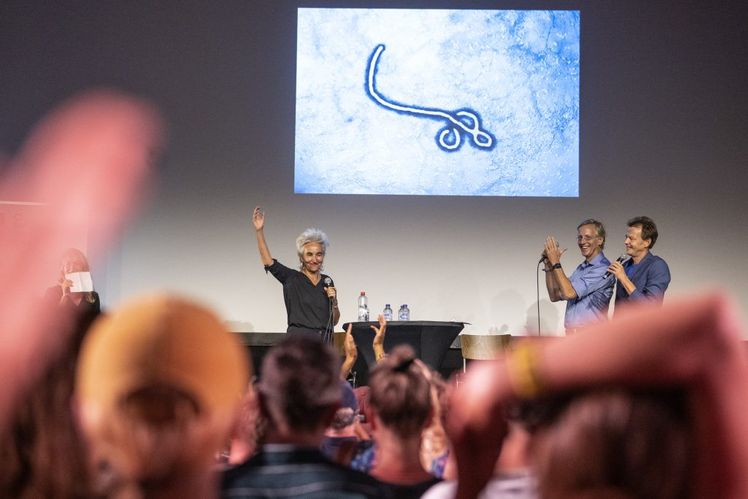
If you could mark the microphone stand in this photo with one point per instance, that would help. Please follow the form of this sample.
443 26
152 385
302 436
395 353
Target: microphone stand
327 336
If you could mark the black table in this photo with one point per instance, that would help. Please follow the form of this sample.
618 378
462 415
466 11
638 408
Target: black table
429 339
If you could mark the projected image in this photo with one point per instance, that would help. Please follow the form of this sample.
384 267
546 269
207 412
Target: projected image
437 102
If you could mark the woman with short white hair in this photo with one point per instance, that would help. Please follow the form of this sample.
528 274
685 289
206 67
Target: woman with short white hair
310 296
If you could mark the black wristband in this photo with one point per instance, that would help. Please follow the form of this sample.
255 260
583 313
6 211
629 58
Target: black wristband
556 266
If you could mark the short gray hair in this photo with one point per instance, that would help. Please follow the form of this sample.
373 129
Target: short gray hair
311 235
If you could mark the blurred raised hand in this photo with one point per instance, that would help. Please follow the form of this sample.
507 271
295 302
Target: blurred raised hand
87 163
378 341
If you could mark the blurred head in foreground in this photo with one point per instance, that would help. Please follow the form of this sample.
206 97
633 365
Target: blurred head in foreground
617 443
158 388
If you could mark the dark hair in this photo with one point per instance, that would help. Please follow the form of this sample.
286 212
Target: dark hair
649 229
599 228
41 451
615 443
400 394
300 382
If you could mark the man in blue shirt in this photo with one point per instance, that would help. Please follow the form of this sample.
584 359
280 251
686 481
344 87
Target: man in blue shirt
588 291
644 276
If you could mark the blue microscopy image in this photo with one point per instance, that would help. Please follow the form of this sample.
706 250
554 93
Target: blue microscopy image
437 102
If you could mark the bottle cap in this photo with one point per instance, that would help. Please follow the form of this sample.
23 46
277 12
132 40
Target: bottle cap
386 305
363 293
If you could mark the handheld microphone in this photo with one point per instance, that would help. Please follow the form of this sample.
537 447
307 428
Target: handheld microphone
542 257
328 283
620 259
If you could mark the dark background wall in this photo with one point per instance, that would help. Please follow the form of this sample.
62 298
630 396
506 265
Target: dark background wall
664 121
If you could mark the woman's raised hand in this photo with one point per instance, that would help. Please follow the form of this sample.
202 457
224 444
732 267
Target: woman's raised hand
258 218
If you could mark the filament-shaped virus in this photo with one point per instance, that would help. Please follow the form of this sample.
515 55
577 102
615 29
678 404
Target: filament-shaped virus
448 138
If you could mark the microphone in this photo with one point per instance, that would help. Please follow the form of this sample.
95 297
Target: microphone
328 283
620 259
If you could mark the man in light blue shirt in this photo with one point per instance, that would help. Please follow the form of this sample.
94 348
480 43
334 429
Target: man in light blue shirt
588 290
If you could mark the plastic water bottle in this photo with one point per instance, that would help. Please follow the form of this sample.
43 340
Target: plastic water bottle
363 308
387 312
404 313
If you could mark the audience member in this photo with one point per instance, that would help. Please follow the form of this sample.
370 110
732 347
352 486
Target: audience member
351 354
158 388
378 342
86 304
514 475
401 403
619 443
41 451
344 438
693 345
364 411
435 453
298 394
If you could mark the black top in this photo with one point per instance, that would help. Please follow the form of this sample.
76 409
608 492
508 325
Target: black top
86 311
307 305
